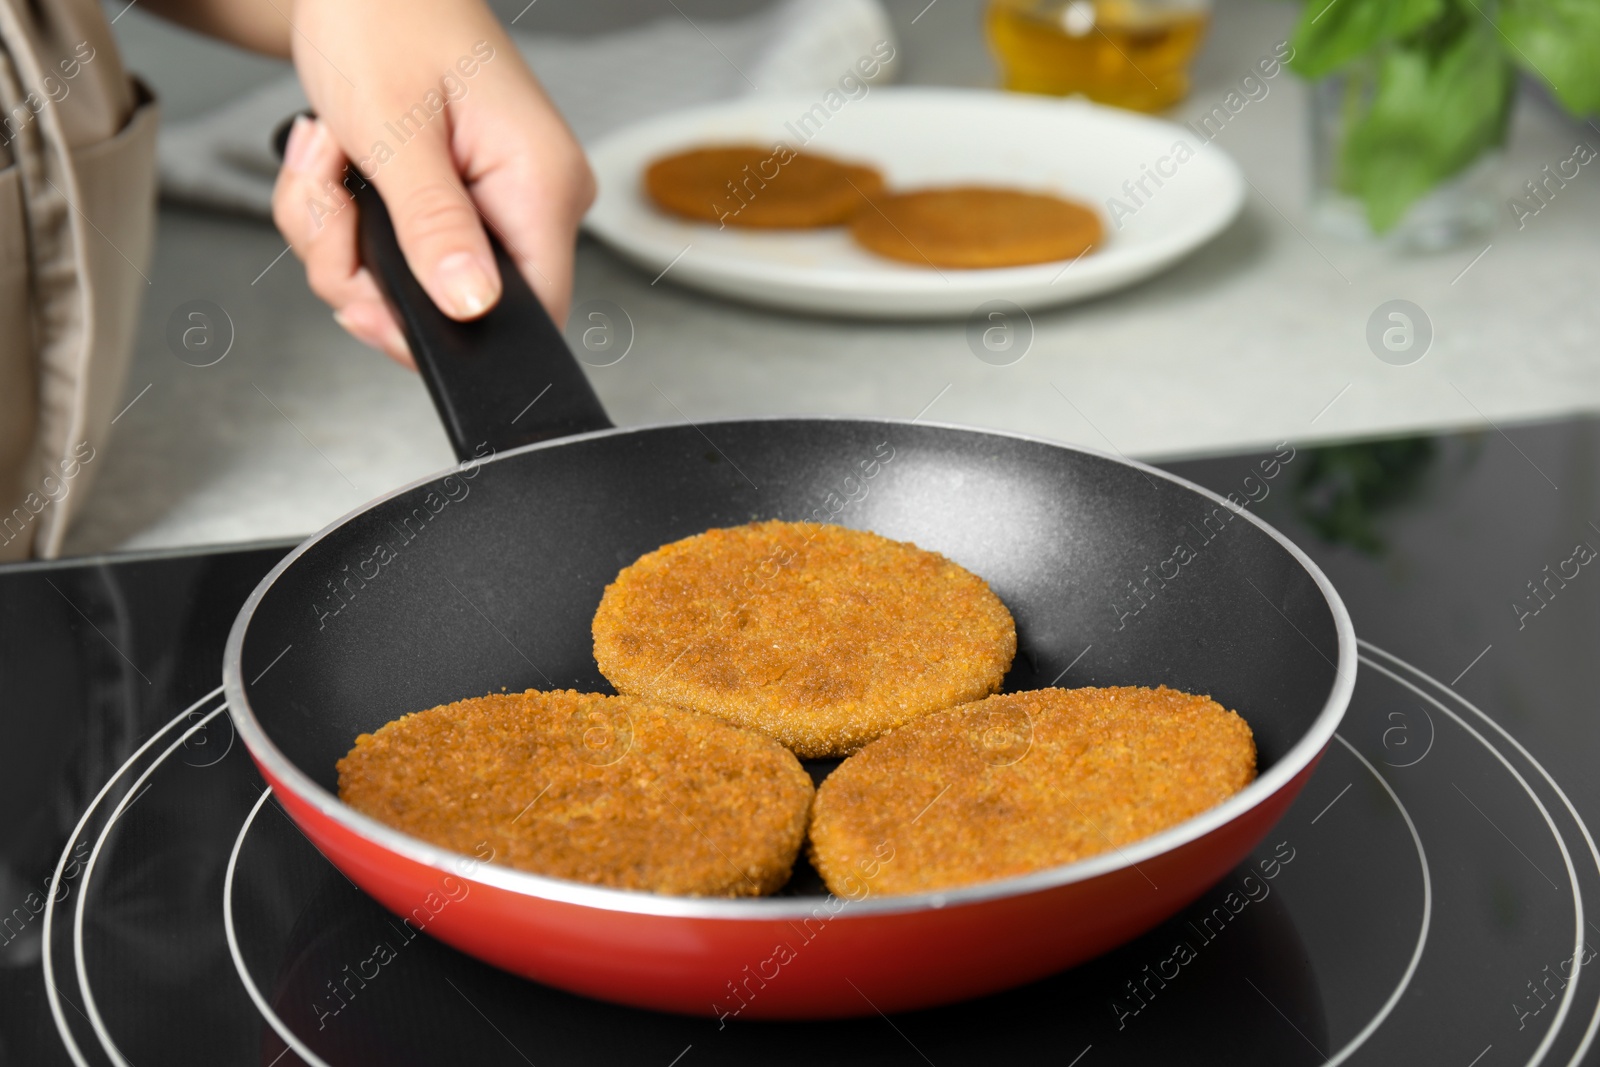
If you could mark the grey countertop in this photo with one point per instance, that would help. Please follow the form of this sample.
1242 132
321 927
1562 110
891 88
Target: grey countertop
1258 337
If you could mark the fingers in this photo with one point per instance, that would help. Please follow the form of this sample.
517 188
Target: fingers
313 211
370 322
546 262
437 223
539 237
548 241
531 181
317 217
501 158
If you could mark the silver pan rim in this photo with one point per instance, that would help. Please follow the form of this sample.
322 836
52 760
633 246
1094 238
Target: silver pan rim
774 909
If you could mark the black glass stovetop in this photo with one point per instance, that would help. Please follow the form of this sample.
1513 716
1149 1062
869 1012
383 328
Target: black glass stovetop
1432 896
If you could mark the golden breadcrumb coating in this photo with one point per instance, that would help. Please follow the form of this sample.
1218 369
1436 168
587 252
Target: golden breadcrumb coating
1023 782
614 791
821 636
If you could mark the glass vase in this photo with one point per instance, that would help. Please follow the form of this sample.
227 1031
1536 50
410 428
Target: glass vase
1459 209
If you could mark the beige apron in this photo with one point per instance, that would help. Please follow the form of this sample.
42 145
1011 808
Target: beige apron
77 207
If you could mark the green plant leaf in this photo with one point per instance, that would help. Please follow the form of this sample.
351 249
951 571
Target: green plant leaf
1343 490
1332 33
1559 42
1437 106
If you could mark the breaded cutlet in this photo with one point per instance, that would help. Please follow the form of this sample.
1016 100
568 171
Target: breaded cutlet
1023 782
762 188
976 227
821 636
613 791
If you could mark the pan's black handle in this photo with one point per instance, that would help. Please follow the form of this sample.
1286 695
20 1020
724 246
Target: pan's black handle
502 380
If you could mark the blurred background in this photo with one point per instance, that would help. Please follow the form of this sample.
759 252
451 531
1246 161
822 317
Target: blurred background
1258 337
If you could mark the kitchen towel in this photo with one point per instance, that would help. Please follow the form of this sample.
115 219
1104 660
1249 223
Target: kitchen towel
223 159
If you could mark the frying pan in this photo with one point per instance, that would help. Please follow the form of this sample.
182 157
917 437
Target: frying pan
487 575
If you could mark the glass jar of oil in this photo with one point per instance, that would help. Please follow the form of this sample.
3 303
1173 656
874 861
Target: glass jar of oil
1127 53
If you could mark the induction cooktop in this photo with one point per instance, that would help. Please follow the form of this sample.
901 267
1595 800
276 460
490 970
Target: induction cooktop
1433 896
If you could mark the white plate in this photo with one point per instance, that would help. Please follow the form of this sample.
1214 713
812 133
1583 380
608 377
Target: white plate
919 136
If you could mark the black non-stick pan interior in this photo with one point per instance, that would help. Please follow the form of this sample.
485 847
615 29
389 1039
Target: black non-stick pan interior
488 578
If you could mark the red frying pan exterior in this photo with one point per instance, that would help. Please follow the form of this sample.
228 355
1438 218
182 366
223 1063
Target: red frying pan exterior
391 610
1258 627
829 963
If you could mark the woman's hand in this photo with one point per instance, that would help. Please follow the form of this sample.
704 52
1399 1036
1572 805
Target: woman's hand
434 105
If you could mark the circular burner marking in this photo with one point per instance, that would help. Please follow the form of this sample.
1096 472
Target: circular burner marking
54 997
277 1024
1340 1057
1422 934
1594 853
93 1010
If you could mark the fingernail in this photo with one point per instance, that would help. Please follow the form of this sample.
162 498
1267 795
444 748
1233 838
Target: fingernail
374 329
357 325
394 342
467 289
298 150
